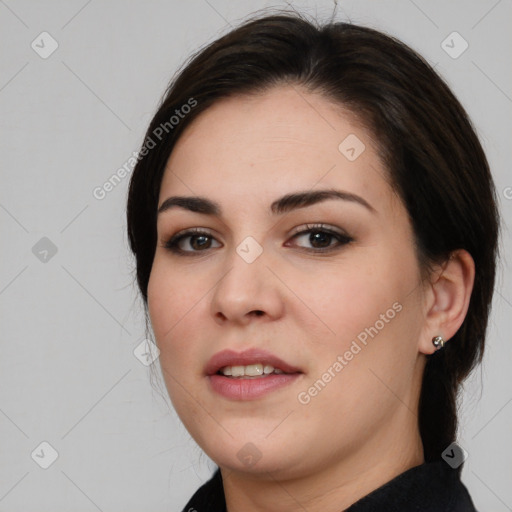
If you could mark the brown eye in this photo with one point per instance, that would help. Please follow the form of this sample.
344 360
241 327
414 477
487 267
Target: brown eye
199 242
191 241
320 239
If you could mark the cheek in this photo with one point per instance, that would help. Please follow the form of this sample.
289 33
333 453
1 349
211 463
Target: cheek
377 322
370 311
372 379
350 298
171 297
174 304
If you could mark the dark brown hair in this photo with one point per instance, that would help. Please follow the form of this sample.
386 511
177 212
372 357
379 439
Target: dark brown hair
432 154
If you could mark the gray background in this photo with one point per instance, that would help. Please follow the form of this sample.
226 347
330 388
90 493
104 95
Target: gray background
70 321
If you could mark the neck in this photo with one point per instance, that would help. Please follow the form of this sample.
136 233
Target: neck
337 485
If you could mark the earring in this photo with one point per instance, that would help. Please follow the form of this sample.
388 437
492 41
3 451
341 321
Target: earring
438 342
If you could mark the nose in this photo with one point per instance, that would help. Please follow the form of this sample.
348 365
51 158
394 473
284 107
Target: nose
247 291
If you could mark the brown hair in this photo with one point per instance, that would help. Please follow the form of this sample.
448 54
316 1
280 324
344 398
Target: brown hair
433 156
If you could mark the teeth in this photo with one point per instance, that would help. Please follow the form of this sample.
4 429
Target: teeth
251 370
237 371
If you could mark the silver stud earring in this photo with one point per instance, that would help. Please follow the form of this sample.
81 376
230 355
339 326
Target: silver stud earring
438 342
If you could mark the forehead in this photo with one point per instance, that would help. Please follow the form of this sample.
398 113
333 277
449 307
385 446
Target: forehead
281 140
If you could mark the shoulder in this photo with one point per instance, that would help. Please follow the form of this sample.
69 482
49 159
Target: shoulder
429 487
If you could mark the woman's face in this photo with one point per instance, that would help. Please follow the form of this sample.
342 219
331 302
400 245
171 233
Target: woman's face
340 304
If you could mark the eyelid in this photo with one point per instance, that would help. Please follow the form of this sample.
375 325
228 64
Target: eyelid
320 226
299 229
193 231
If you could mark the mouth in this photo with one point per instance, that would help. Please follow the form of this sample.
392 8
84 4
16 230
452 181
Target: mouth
249 375
252 363
251 371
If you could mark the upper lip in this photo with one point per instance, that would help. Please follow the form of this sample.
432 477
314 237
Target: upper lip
247 357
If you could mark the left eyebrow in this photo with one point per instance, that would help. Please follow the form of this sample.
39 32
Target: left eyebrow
303 199
280 206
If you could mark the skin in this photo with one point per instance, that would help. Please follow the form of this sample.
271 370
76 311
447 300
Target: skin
361 429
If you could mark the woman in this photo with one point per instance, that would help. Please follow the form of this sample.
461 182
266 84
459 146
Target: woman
315 231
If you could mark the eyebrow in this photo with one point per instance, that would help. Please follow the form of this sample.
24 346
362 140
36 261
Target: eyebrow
280 206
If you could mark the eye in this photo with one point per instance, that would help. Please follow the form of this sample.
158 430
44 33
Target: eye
321 238
198 239
193 241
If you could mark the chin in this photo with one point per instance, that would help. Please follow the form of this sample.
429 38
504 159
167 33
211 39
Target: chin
254 454
249 461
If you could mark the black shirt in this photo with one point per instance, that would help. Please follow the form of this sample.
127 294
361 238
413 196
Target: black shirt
429 487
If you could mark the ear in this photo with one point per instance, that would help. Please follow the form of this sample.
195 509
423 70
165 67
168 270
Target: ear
447 295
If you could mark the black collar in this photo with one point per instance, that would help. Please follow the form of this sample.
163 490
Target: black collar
429 487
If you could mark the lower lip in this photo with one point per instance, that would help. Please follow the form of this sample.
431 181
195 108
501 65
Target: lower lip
249 389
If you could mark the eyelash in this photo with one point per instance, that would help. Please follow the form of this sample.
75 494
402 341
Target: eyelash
173 243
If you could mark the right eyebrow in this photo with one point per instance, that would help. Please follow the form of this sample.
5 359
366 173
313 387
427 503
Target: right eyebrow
193 204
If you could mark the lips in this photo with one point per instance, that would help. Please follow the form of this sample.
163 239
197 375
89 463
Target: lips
245 358
248 388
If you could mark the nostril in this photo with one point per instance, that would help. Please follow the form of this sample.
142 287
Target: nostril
221 315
